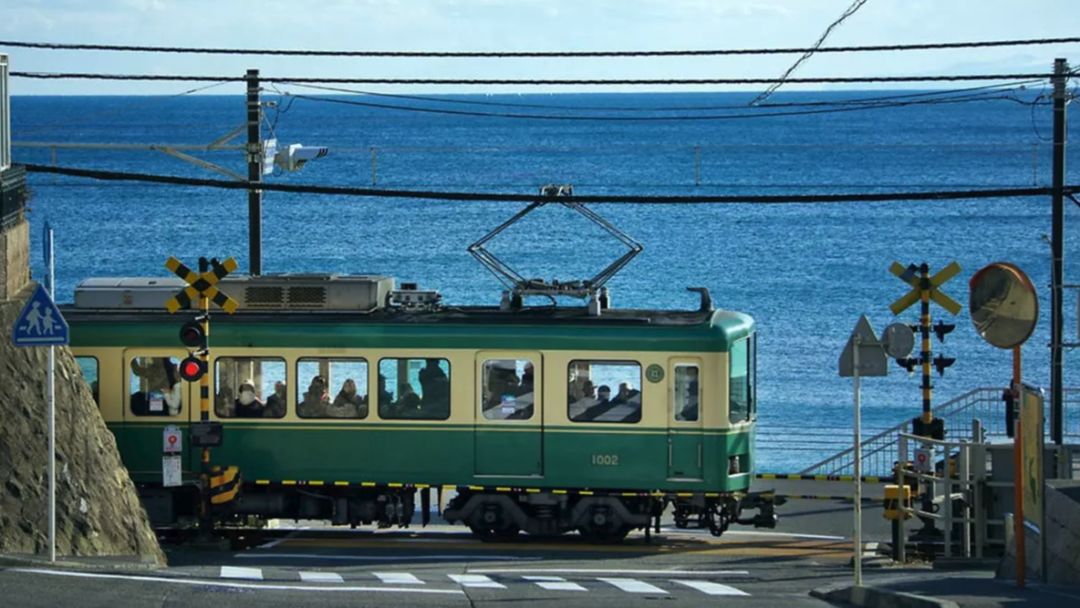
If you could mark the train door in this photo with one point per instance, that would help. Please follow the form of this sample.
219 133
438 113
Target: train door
508 435
685 447
154 397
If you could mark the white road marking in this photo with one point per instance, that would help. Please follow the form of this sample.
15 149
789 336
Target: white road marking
387 558
711 588
251 574
554 583
321 577
783 535
398 578
278 541
600 571
475 580
217 583
632 585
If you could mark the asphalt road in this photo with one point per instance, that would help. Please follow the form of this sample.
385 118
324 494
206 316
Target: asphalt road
444 566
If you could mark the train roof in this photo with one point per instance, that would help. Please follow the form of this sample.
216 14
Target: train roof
487 327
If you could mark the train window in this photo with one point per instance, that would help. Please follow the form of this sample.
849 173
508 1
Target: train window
687 393
89 367
249 387
507 389
315 399
591 398
155 387
417 389
741 381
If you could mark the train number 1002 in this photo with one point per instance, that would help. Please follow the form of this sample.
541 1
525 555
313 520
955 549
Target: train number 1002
605 460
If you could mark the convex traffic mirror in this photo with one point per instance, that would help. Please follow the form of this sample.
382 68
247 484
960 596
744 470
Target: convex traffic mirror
1004 306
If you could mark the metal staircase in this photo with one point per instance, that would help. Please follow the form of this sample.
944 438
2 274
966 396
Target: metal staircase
879 452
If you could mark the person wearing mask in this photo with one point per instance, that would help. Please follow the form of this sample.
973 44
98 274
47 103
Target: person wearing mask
275 405
247 403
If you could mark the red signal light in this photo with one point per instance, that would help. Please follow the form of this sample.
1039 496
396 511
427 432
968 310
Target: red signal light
192 368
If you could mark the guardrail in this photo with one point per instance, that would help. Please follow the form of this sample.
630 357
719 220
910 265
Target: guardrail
880 452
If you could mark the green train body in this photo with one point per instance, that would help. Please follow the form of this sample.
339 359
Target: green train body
558 457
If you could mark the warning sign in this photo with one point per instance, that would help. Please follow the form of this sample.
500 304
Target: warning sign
172 440
171 470
923 458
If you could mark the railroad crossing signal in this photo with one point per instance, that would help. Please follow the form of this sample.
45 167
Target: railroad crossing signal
195 335
924 289
909 275
201 285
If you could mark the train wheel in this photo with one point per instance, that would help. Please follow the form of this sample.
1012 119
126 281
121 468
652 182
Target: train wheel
490 524
604 526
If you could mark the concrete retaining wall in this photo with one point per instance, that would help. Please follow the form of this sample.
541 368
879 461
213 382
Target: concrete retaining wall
14 259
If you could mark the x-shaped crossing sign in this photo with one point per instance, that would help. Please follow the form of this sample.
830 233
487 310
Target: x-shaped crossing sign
910 275
201 285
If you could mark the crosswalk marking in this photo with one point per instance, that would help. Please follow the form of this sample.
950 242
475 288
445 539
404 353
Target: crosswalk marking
711 588
398 578
481 581
321 577
253 574
632 585
475 580
554 583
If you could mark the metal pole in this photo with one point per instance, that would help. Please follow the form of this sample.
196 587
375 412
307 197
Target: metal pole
900 551
206 522
254 157
856 342
978 460
1018 467
925 355
52 418
1057 245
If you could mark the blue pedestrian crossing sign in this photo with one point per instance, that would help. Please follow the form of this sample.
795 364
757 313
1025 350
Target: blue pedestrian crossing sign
40 322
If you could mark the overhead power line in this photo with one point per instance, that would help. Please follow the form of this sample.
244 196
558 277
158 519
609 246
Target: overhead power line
536 54
745 115
528 198
459 100
530 81
855 6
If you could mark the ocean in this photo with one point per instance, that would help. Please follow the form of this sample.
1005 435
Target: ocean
805 272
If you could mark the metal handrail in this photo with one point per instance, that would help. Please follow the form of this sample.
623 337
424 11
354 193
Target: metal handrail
880 452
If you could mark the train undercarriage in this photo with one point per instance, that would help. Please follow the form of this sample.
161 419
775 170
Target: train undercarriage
490 514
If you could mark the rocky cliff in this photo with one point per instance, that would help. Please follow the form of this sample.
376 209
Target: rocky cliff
97 509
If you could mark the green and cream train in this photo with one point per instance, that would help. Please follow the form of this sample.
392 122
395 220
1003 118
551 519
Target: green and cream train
343 399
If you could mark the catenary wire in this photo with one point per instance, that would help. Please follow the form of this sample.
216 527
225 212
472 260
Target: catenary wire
1012 86
527 81
528 198
537 54
677 118
849 11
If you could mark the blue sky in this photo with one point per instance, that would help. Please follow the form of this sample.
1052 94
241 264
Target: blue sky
523 25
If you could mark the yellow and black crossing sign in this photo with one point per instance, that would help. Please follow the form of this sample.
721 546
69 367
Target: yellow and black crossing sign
201 284
924 289
910 275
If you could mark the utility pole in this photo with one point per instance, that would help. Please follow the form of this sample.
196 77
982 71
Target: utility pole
255 162
1057 246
